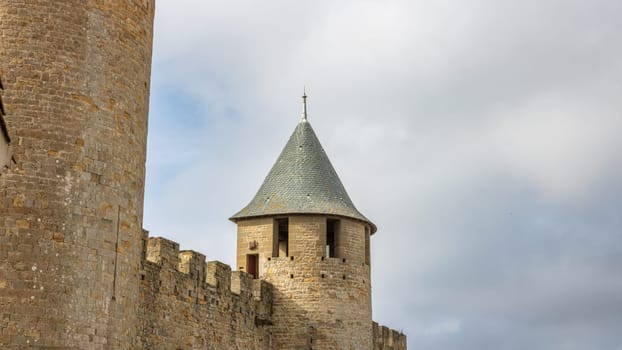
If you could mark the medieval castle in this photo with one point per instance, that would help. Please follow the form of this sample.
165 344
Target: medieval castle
77 270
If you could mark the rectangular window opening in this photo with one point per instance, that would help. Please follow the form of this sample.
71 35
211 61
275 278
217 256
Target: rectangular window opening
332 228
282 237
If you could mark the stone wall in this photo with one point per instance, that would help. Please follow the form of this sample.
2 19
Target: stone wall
388 339
187 303
351 241
76 75
320 303
255 236
307 236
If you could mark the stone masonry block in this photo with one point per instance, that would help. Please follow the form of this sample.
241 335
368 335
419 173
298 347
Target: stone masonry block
219 275
163 251
242 283
192 263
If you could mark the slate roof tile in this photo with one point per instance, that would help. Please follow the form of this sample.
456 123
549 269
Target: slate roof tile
302 181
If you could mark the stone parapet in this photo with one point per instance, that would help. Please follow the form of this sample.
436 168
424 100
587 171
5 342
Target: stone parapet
188 303
388 339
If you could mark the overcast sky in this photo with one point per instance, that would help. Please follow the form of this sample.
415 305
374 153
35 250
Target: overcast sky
482 137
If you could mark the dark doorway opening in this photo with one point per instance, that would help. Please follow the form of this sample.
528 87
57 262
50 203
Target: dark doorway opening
252 265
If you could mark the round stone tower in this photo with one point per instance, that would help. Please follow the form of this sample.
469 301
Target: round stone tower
302 233
76 77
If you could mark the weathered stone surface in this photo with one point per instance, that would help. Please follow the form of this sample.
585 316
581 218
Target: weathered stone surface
388 339
187 303
76 87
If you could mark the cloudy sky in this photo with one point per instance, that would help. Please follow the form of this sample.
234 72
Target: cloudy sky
483 138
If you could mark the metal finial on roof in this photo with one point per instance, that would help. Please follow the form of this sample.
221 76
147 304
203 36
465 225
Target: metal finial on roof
304 105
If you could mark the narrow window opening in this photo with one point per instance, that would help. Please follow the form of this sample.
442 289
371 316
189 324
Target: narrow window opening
252 265
282 237
332 227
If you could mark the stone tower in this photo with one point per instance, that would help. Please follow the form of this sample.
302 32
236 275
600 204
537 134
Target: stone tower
302 233
76 76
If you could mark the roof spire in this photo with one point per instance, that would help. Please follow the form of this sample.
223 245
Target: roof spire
304 105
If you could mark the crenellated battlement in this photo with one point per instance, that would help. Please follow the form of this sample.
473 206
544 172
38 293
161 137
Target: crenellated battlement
184 294
388 339
162 251
191 267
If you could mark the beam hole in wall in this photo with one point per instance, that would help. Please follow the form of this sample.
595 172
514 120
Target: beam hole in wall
344 277
142 277
323 276
343 260
291 275
291 258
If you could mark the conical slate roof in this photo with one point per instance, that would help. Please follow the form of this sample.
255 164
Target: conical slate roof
302 181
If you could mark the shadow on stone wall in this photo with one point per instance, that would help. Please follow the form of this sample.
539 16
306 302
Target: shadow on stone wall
5 140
